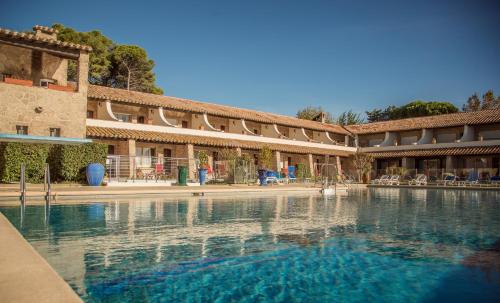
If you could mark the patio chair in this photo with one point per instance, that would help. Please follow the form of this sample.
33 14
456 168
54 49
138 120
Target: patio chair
271 177
472 179
393 180
291 174
495 180
420 179
447 180
381 180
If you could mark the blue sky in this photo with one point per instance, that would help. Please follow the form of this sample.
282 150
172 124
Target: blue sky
280 56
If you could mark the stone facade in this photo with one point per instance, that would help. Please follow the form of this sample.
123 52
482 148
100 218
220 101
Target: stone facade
41 109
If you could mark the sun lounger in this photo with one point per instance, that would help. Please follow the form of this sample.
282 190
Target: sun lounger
393 180
381 180
472 179
421 179
448 180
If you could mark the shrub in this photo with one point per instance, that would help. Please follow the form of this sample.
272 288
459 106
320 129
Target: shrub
266 158
34 157
303 171
67 162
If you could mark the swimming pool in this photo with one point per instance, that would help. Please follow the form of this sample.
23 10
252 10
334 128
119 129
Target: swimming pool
378 245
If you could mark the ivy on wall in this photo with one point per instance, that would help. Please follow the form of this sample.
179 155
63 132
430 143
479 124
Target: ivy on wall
67 162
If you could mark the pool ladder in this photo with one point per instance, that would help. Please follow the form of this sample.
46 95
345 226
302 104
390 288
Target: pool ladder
47 187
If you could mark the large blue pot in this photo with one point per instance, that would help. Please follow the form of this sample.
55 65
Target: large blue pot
95 174
263 177
202 172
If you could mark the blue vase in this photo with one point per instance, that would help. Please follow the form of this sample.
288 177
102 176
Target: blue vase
95 174
262 177
202 172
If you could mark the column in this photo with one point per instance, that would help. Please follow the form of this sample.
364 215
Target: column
191 160
311 163
83 72
131 157
347 140
277 160
238 151
339 165
450 164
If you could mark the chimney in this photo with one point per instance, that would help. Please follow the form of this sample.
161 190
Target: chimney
45 32
321 117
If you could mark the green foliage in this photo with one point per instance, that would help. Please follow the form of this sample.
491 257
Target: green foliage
203 159
314 113
266 158
416 108
111 64
12 155
349 118
67 162
303 171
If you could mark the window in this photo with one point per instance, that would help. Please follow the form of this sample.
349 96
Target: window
22 129
111 149
90 114
255 131
143 156
55 132
222 127
140 119
123 117
184 124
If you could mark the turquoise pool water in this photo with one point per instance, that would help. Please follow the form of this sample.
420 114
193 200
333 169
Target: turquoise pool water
377 245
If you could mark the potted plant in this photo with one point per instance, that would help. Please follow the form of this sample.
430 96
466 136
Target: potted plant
265 162
203 166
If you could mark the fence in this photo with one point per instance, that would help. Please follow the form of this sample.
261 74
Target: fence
233 171
437 174
124 168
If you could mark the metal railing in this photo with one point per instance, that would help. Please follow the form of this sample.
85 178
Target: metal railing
147 169
438 174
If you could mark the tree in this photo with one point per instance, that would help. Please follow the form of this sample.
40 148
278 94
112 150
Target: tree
131 69
489 100
314 113
349 118
362 163
266 158
121 66
415 108
99 63
473 104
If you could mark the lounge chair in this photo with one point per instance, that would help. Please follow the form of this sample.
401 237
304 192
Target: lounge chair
495 180
291 174
394 180
271 177
472 179
381 180
448 180
420 179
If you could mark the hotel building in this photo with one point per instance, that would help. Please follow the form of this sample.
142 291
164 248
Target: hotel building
39 104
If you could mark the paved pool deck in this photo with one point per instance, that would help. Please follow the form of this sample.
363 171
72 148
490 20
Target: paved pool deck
9 192
25 276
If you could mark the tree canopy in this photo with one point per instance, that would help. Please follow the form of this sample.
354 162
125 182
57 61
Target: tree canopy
112 64
416 108
489 101
349 118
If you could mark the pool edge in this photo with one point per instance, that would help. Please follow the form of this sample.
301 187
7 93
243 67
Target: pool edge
26 276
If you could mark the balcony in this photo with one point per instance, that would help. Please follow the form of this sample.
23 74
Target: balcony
44 83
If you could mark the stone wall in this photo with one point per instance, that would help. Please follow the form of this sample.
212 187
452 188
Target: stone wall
20 105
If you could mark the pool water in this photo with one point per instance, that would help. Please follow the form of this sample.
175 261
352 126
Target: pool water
376 245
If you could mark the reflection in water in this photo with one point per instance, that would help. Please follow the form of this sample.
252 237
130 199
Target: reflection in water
114 249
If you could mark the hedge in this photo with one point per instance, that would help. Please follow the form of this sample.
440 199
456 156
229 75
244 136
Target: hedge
67 162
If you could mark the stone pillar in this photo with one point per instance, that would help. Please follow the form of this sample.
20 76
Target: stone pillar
277 160
356 141
191 160
83 72
238 151
347 140
450 164
131 154
339 165
310 161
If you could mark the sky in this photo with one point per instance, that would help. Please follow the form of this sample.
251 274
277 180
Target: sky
280 56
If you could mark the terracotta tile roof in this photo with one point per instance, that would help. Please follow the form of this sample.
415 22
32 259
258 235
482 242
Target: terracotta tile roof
122 95
456 151
448 120
43 41
149 136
